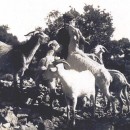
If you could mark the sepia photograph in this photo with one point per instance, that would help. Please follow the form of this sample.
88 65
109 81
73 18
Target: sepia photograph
65 65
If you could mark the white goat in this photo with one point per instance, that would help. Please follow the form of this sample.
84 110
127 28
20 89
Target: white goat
119 84
74 84
79 61
15 59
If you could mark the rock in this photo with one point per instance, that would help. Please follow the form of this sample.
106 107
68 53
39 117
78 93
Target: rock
23 112
6 83
46 125
28 126
17 128
55 119
22 121
6 125
29 101
11 118
8 77
30 80
31 126
3 128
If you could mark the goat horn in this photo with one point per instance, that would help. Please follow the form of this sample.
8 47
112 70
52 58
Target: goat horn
29 33
105 49
61 61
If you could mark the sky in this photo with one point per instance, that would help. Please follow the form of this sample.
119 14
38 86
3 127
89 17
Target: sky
23 16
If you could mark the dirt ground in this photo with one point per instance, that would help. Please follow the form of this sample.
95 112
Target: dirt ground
26 110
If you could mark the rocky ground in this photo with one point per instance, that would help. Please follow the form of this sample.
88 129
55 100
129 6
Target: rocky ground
24 111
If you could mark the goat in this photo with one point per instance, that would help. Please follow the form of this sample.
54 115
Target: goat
98 51
119 84
74 84
15 59
50 82
79 61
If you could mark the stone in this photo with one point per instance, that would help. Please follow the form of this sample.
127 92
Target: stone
11 118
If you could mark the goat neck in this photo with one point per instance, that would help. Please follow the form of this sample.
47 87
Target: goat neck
60 70
32 53
29 49
63 75
100 56
50 53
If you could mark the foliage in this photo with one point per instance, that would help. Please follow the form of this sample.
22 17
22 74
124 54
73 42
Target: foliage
95 24
54 21
6 37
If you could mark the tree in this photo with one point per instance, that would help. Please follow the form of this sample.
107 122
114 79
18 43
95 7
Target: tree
95 24
6 37
124 43
54 21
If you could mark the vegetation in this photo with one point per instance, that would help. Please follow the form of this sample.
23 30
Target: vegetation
97 27
95 24
6 37
33 109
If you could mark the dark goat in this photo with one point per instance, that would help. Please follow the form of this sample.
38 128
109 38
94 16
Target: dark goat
15 59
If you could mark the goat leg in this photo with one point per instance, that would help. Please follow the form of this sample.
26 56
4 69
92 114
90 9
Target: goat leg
111 99
68 109
94 105
126 97
74 101
121 103
22 76
15 78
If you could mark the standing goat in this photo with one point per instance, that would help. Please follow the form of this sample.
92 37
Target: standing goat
75 84
79 61
15 59
98 53
50 82
119 84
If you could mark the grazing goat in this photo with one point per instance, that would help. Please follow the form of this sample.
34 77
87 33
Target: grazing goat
79 61
119 84
15 59
74 84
